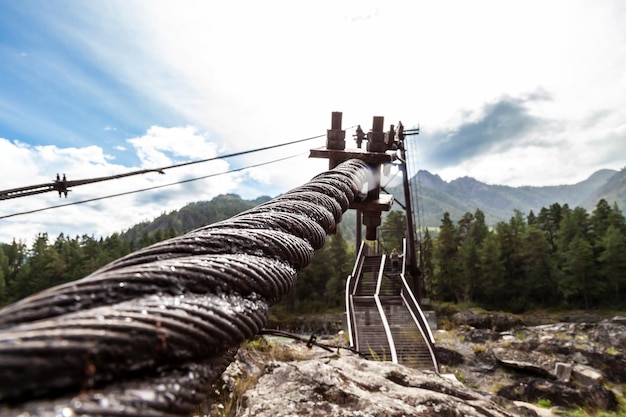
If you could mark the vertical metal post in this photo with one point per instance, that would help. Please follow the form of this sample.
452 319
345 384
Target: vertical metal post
410 232
335 137
413 256
359 224
375 143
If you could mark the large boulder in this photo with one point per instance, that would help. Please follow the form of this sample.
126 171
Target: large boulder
350 386
490 365
296 381
486 320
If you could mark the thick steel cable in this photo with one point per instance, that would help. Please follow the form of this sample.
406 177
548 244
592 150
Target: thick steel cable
147 334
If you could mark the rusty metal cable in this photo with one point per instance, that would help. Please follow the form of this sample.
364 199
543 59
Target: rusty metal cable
147 334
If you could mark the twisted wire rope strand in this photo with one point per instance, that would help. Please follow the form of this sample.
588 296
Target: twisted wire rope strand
292 223
199 274
325 202
338 196
273 244
297 204
148 333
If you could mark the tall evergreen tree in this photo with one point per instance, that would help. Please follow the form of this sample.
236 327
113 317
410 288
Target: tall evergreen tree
469 263
479 229
310 290
489 291
71 254
600 219
575 261
471 231
509 236
617 219
15 257
115 247
341 263
574 223
447 276
426 262
549 220
93 255
539 267
613 263
393 230
43 268
578 268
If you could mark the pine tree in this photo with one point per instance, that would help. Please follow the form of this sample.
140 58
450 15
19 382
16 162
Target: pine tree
472 230
447 276
393 230
613 262
341 263
549 220
600 219
539 266
427 262
509 238
578 267
489 291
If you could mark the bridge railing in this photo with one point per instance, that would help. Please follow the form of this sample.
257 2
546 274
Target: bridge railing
147 334
351 283
416 312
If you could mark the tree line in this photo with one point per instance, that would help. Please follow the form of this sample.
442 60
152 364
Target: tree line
26 270
560 257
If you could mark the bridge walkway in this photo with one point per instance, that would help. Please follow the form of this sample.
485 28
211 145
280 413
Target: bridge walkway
385 321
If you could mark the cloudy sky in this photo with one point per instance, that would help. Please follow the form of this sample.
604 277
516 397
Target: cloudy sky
515 93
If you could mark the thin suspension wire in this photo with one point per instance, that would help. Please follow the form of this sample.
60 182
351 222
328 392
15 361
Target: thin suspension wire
39 189
146 334
248 151
415 185
395 174
154 187
241 153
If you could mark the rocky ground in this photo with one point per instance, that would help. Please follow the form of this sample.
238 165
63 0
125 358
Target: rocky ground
568 365
491 365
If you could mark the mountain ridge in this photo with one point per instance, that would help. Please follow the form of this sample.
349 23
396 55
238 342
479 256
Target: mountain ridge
436 196
499 202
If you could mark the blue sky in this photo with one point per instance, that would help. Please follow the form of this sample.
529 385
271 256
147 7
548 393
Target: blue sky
57 91
515 93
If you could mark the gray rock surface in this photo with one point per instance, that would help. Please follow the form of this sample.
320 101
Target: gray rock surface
347 385
484 372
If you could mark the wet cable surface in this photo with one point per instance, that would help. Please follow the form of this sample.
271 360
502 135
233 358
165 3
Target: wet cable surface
148 333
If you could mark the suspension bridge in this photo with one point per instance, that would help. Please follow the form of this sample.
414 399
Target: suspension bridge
147 334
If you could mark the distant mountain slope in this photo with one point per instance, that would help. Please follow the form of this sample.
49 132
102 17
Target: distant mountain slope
613 190
192 216
499 202
202 213
436 197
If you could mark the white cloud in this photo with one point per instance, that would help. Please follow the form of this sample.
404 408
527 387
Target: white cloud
30 165
254 74
161 146
249 74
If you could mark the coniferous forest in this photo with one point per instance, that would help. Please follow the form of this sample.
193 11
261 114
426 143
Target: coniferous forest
557 258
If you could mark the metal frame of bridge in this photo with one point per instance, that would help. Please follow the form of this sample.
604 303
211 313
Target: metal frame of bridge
146 334
385 321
